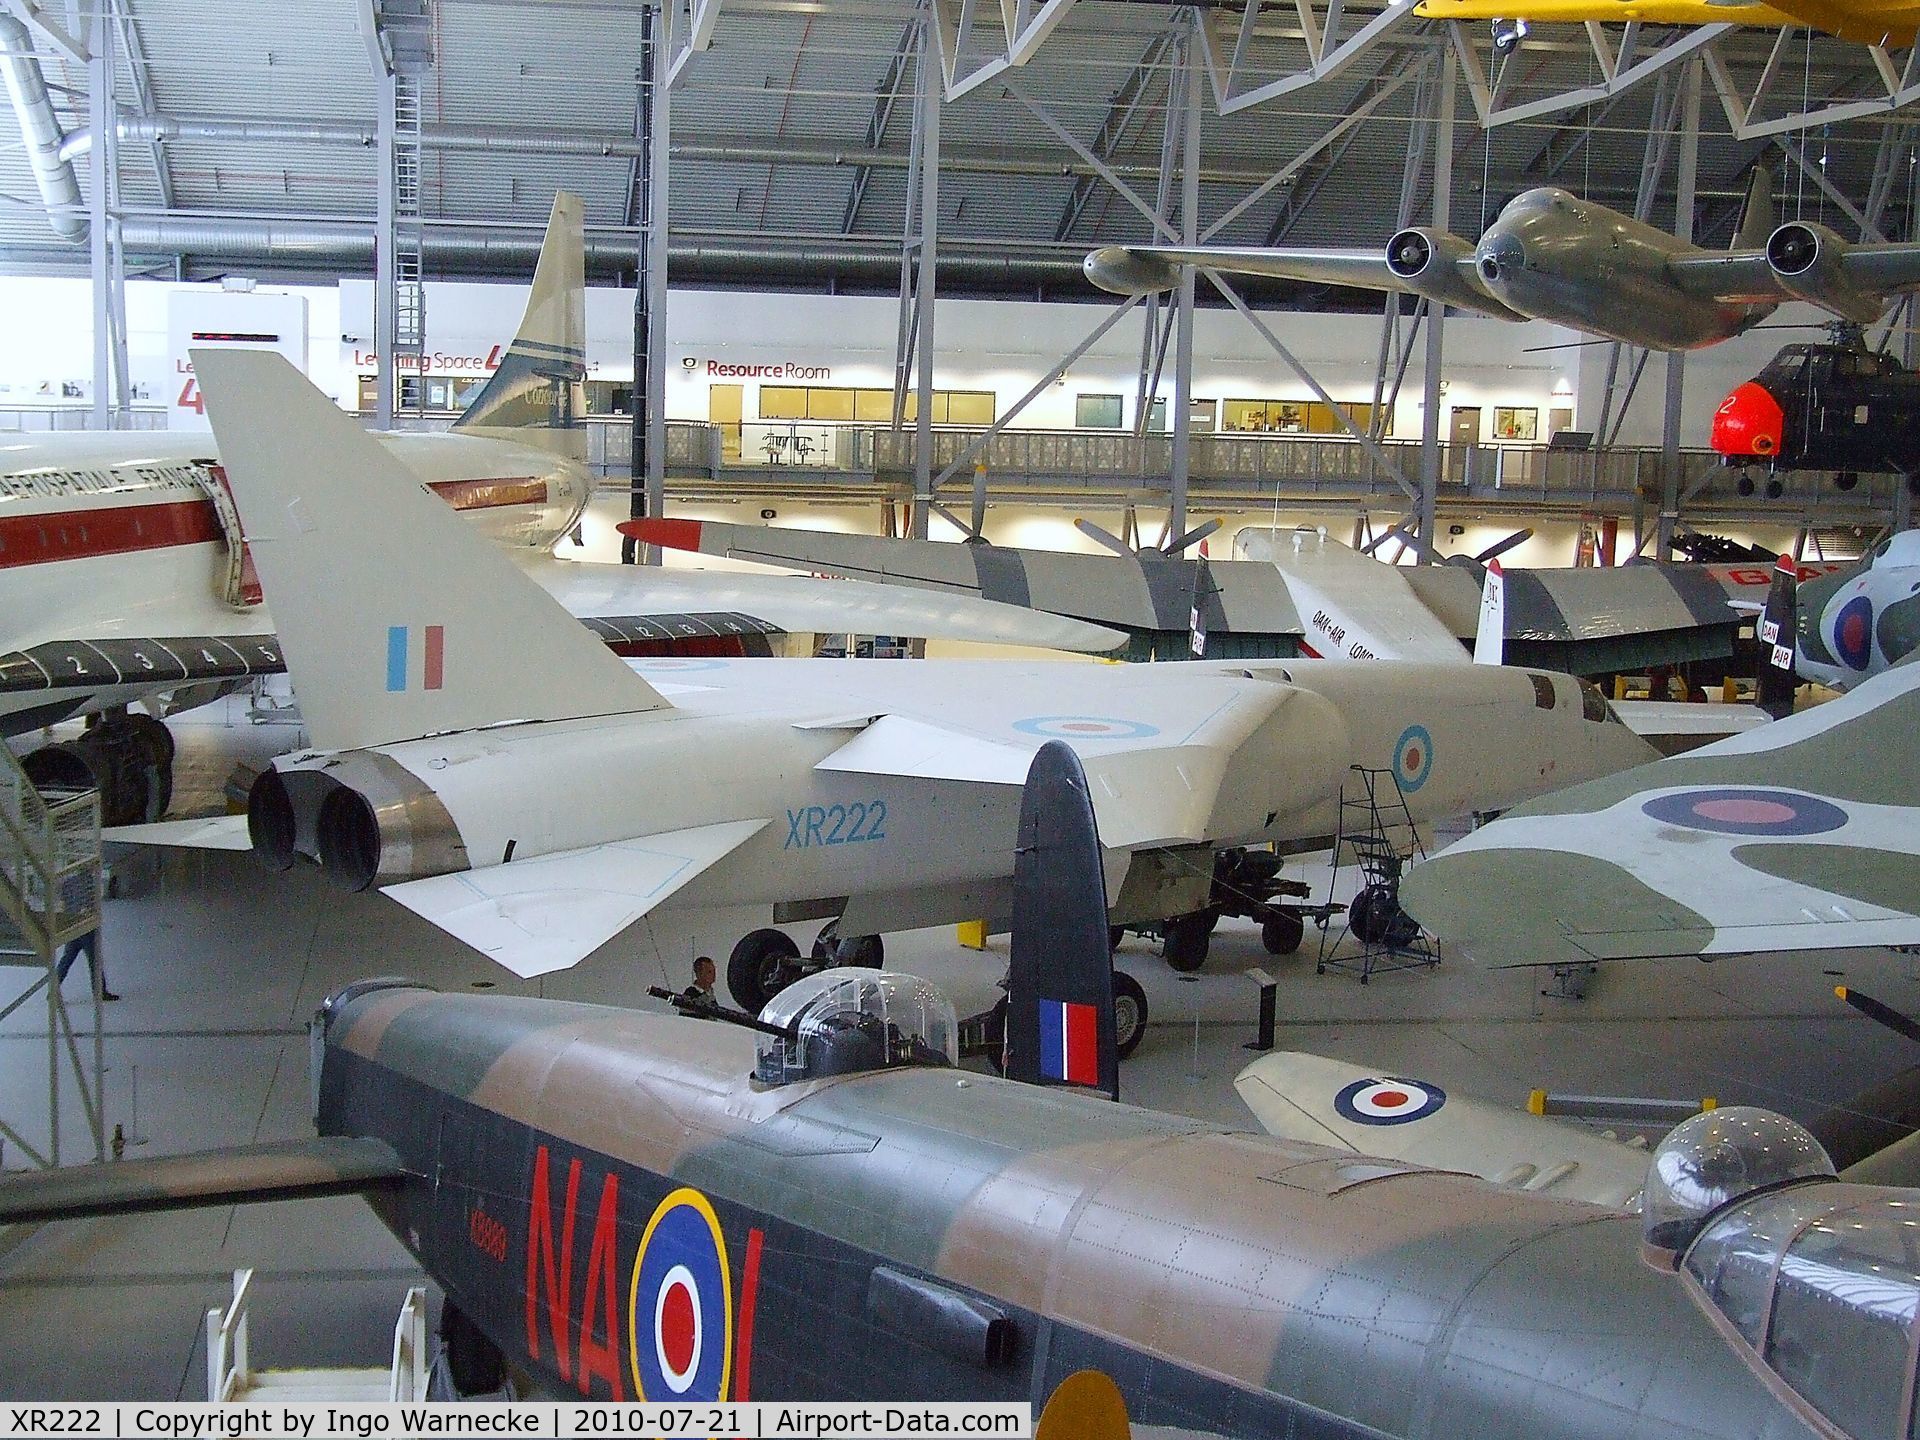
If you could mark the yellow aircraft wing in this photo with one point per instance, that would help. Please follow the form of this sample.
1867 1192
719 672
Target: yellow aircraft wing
1867 23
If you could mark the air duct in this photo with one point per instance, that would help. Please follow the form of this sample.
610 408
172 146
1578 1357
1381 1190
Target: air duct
40 133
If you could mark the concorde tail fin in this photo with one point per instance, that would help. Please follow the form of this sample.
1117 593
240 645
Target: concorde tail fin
537 396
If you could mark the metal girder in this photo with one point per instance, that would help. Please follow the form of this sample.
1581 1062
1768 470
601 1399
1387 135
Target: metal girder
133 49
1618 67
1025 24
692 24
1226 42
368 24
885 99
1898 82
1123 107
1100 167
1321 159
1795 150
36 19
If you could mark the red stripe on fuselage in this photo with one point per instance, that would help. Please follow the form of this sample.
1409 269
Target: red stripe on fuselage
743 1327
126 529
108 530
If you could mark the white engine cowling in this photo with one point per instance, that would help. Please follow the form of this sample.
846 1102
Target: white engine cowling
1121 271
1806 261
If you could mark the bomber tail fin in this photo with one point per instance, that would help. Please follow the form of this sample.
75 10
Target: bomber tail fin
1775 632
398 618
1757 218
1490 640
538 395
1060 1022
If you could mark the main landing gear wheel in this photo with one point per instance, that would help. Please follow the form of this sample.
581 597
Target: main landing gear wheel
1129 1014
1282 932
1187 940
863 950
763 964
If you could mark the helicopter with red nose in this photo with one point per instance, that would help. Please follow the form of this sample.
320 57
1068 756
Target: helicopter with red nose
1834 405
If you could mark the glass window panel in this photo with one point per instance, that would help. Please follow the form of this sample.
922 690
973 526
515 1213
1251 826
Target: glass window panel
828 402
1512 423
1157 418
783 402
970 407
939 407
1202 414
1096 412
1288 417
1244 415
874 405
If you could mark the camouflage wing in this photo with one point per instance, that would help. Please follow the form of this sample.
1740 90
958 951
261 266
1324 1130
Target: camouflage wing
1802 835
1146 593
282 1170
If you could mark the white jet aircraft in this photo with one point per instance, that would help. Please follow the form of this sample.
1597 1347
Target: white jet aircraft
122 580
487 764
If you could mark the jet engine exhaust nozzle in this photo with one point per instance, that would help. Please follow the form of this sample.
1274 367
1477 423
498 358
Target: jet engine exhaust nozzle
271 826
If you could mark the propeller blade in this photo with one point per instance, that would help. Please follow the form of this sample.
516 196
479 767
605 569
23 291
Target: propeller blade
1105 537
1192 537
1399 532
1885 1014
1500 547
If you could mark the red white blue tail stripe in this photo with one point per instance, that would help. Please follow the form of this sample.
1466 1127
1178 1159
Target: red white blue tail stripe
1069 1042
433 650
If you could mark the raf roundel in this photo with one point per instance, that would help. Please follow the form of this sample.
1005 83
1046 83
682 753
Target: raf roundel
1748 811
1391 1101
1413 757
1085 727
680 1309
1853 632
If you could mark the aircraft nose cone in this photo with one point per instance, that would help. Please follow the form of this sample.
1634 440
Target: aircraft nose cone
1748 424
1500 257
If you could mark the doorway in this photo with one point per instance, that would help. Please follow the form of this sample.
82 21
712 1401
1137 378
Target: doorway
723 409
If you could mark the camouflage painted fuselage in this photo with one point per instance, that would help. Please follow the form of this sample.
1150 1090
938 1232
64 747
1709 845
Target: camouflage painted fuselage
612 1200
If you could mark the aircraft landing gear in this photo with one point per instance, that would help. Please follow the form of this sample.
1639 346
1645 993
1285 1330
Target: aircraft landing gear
1246 883
127 758
474 1363
1185 939
766 961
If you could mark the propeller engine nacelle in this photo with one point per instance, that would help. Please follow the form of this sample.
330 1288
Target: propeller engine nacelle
1429 262
1121 271
1806 261
366 820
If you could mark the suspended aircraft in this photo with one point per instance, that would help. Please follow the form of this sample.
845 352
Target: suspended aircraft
123 579
1551 256
1802 835
484 761
1834 406
813 1203
1295 592
1866 22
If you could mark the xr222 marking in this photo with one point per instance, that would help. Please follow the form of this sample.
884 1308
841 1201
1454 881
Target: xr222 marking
853 824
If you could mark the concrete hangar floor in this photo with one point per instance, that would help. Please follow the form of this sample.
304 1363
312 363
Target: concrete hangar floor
220 966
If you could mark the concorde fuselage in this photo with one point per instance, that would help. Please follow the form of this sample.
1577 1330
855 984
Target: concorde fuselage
626 1215
116 539
744 740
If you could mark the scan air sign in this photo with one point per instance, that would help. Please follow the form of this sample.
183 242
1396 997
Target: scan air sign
225 320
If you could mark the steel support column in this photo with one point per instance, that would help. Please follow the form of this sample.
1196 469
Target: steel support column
1191 79
926 119
1430 454
106 263
647 453
1684 185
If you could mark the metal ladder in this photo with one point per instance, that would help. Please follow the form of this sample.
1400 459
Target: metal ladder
231 1377
51 889
409 289
1373 811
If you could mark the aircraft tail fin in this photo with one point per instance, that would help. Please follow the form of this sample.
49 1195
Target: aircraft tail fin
398 619
1490 640
1060 1022
1757 218
537 396
1775 632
